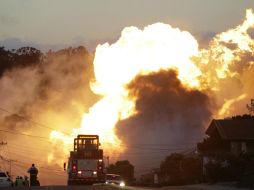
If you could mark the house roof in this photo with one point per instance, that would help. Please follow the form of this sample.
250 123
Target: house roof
233 129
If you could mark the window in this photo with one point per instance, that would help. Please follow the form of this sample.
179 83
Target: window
243 147
235 147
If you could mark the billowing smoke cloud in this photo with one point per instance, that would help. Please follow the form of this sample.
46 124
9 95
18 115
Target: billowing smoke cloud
167 114
58 86
37 98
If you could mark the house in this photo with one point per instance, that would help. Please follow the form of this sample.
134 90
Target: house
234 135
223 152
151 178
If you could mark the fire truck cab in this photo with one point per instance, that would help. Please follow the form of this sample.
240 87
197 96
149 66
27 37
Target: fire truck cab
85 164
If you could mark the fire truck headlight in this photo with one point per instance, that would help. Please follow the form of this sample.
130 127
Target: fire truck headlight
79 172
122 184
100 160
95 172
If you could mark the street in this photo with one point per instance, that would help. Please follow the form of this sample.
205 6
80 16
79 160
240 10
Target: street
88 187
113 187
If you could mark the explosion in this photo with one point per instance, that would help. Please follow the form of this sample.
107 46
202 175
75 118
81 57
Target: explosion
137 52
207 74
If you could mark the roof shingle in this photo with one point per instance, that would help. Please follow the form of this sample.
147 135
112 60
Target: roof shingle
233 129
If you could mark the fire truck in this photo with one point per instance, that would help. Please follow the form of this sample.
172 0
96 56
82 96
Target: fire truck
85 164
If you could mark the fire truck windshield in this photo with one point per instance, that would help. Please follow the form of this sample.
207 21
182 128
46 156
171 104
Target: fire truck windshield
86 143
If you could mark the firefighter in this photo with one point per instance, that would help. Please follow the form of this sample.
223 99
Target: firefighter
26 181
19 181
16 181
33 171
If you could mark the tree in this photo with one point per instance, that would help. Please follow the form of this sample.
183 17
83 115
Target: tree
22 57
192 169
123 168
5 60
27 56
171 168
181 169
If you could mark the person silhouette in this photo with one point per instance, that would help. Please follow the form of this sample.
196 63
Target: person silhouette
33 171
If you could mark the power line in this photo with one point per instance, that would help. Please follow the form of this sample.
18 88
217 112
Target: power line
46 168
39 162
10 161
32 121
24 164
19 133
167 144
30 158
29 148
131 146
140 153
45 126
137 146
56 172
21 154
170 147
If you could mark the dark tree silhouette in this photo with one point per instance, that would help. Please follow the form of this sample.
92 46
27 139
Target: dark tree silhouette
181 169
22 57
6 60
26 56
123 168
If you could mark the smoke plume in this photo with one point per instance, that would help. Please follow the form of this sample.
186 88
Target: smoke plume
167 113
51 94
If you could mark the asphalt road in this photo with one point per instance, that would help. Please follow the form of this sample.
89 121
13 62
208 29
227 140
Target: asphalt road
92 187
109 187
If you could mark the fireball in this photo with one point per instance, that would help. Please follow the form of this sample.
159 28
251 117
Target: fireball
160 47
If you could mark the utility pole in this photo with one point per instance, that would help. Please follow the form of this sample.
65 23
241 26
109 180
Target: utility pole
10 161
10 164
2 144
251 107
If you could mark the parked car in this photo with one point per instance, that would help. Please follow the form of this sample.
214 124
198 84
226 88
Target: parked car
5 180
114 179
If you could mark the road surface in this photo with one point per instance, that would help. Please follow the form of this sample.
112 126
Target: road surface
88 187
109 187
